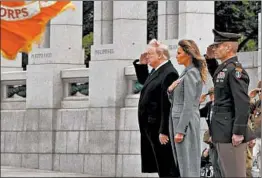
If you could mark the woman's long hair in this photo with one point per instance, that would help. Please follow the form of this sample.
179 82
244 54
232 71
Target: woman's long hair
190 47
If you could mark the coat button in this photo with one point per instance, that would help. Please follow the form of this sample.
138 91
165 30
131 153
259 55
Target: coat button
186 128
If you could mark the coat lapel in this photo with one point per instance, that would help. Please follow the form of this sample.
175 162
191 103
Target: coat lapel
182 74
185 71
155 74
151 77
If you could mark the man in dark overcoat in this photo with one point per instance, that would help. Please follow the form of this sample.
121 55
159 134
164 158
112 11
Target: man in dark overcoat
153 109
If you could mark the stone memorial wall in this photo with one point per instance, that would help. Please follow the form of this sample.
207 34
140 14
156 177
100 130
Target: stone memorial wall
59 115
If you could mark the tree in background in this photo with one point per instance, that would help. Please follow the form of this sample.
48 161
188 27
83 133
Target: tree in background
152 19
87 43
24 60
239 17
88 24
88 17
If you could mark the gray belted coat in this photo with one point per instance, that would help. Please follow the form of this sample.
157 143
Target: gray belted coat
185 119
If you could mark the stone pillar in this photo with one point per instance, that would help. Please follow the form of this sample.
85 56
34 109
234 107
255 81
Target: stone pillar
65 51
11 65
196 21
108 85
45 41
46 38
45 86
112 58
103 22
168 20
129 23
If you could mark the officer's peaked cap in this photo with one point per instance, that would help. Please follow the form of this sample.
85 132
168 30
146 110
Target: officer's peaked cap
220 37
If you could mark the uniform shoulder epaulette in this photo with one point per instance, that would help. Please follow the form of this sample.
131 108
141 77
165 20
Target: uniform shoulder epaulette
238 66
238 69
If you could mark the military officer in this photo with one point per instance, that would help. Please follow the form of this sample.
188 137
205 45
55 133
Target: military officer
231 105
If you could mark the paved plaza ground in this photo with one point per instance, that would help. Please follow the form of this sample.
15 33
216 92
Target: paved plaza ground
7 171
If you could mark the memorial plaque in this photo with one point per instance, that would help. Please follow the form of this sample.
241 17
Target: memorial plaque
104 51
172 47
41 55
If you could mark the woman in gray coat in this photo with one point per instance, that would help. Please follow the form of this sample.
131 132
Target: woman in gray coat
184 122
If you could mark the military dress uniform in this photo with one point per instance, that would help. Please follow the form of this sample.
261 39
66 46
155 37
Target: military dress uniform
230 111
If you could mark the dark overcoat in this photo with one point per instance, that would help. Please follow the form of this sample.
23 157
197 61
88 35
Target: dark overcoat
153 115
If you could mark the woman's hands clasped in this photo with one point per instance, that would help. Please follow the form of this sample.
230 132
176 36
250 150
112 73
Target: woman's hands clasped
178 138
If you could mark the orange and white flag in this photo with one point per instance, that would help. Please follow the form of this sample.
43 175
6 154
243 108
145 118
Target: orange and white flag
23 23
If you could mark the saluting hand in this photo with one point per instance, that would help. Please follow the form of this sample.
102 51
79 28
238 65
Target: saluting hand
210 53
163 139
144 58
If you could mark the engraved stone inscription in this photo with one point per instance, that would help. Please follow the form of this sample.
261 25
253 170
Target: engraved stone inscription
41 55
104 51
172 47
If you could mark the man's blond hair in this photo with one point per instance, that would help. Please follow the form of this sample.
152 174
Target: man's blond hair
160 48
